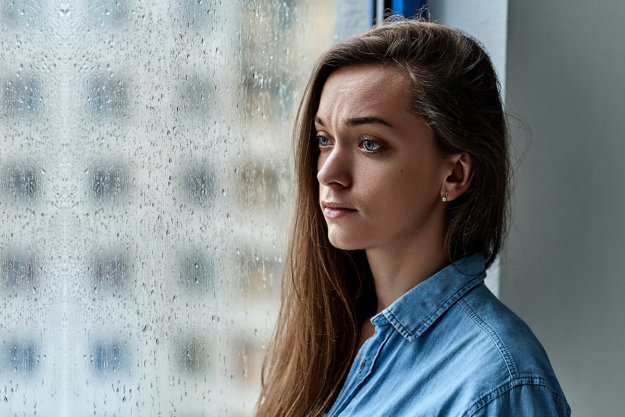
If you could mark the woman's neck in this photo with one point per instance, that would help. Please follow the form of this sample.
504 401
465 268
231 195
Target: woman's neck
399 268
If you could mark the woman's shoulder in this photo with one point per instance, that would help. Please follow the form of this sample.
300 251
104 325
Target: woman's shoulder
509 355
509 334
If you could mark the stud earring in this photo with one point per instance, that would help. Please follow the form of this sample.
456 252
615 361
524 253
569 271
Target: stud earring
444 198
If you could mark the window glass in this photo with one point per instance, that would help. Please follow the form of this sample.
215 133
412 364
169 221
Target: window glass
145 174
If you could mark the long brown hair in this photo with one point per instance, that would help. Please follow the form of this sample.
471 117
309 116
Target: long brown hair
327 292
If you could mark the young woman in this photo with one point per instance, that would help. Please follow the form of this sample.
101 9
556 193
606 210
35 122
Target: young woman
402 182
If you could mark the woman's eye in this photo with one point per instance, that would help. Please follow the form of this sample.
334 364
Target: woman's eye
370 145
323 141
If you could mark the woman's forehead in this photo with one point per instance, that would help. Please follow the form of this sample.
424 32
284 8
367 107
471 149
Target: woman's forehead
364 91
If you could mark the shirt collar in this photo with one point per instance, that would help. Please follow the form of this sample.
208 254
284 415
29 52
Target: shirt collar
415 311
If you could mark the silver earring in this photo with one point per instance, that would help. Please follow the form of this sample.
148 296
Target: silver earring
444 198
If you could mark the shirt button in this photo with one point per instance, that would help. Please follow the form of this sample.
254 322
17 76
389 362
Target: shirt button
362 365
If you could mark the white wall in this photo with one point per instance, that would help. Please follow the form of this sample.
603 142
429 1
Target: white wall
564 272
486 21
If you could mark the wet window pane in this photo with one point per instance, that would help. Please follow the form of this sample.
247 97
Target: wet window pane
18 271
145 177
22 357
107 95
22 96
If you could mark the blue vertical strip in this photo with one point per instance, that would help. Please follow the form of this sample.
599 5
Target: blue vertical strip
371 12
407 8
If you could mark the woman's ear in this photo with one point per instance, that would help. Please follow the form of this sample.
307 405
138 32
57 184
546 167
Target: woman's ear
459 179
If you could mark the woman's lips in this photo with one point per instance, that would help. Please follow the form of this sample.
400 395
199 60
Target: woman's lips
333 210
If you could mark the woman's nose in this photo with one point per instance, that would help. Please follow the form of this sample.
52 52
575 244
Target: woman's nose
334 168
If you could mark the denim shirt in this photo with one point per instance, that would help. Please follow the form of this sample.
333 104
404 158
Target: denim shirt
449 347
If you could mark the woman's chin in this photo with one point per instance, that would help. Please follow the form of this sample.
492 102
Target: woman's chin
340 241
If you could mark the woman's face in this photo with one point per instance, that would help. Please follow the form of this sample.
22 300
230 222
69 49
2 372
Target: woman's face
381 174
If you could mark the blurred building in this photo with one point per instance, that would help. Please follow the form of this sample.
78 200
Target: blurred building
145 175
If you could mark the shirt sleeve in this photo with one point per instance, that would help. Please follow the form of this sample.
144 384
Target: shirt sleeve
525 401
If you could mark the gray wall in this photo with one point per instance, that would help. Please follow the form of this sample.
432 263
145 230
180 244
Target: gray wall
564 269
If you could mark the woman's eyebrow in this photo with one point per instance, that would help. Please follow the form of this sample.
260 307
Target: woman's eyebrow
360 121
367 121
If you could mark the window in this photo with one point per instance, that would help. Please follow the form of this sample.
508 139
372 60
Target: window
145 169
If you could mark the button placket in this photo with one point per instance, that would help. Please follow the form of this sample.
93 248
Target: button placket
362 366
